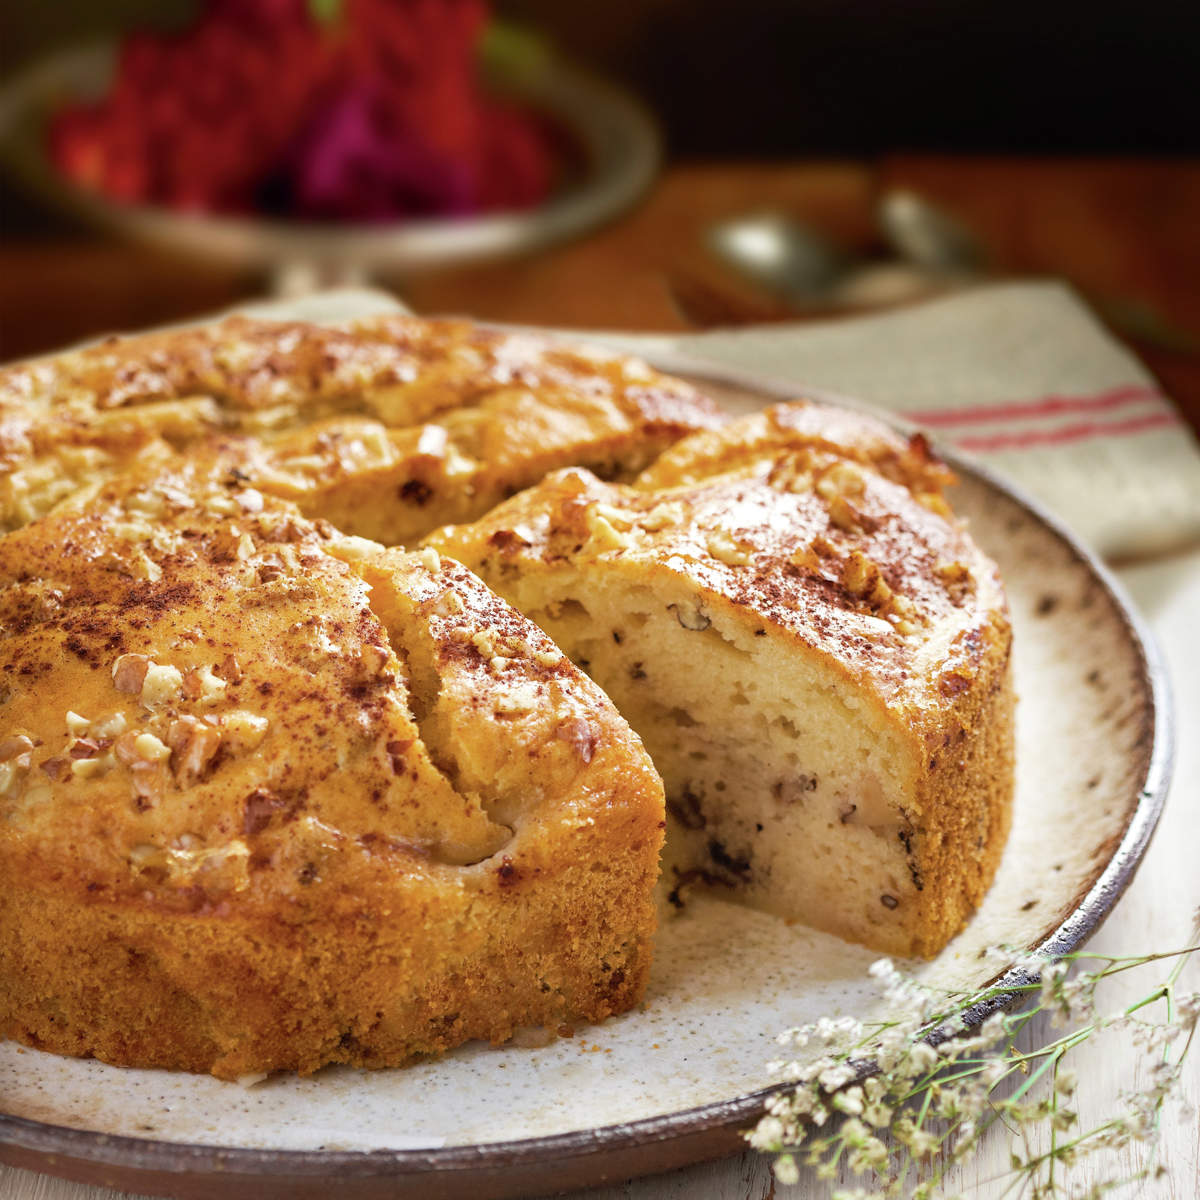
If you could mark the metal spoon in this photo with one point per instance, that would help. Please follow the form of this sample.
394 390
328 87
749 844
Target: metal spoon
782 255
927 236
807 269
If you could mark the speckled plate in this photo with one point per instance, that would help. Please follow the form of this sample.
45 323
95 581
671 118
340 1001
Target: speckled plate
674 1082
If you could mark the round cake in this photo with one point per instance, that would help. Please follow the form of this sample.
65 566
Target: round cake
276 792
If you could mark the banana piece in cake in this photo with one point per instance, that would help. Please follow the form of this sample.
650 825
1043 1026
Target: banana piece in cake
275 797
813 650
388 427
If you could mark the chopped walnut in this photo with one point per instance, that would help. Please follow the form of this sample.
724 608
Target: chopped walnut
109 727
861 578
859 573
693 618
250 500
150 748
670 512
448 604
352 549
517 698
129 673
161 685
90 768
374 658
430 559
193 744
618 518
792 473
603 532
842 479
431 442
124 750
83 747
77 726
243 730
582 734
723 547
903 615
146 568
957 579
211 688
806 557
935 502
843 514
55 768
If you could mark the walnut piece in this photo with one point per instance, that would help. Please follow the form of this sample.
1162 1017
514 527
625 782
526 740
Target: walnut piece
129 672
161 685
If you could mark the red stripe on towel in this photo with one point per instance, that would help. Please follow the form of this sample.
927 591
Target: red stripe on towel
1047 406
1019 439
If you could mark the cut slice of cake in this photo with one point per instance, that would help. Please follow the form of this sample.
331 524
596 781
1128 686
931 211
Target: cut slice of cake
813 650
274 797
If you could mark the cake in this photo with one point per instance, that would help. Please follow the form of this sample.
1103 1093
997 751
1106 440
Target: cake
387 427
273 797
812 649
277 792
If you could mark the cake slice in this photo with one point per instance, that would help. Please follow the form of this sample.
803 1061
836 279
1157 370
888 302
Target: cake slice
274 797
387 427
812 649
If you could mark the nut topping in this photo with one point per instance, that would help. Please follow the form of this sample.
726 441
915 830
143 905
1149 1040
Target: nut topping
129 672
193 744
161 685
16 750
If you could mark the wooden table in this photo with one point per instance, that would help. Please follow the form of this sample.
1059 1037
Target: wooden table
1126 233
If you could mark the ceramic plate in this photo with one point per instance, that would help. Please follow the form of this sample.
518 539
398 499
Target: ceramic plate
674 1082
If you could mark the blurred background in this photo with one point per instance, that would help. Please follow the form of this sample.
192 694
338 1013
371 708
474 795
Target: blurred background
800 77
818 157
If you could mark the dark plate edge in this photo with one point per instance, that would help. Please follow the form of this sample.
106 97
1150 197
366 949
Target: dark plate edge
540 1166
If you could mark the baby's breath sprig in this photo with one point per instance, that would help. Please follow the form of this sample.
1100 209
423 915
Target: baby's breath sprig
934 1086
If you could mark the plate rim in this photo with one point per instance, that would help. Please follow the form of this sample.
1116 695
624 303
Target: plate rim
712 1127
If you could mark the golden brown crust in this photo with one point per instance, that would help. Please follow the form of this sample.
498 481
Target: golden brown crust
786 525
388 426
254 771
274 796
851 564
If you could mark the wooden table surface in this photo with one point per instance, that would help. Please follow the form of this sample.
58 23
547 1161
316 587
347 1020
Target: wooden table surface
1126 233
